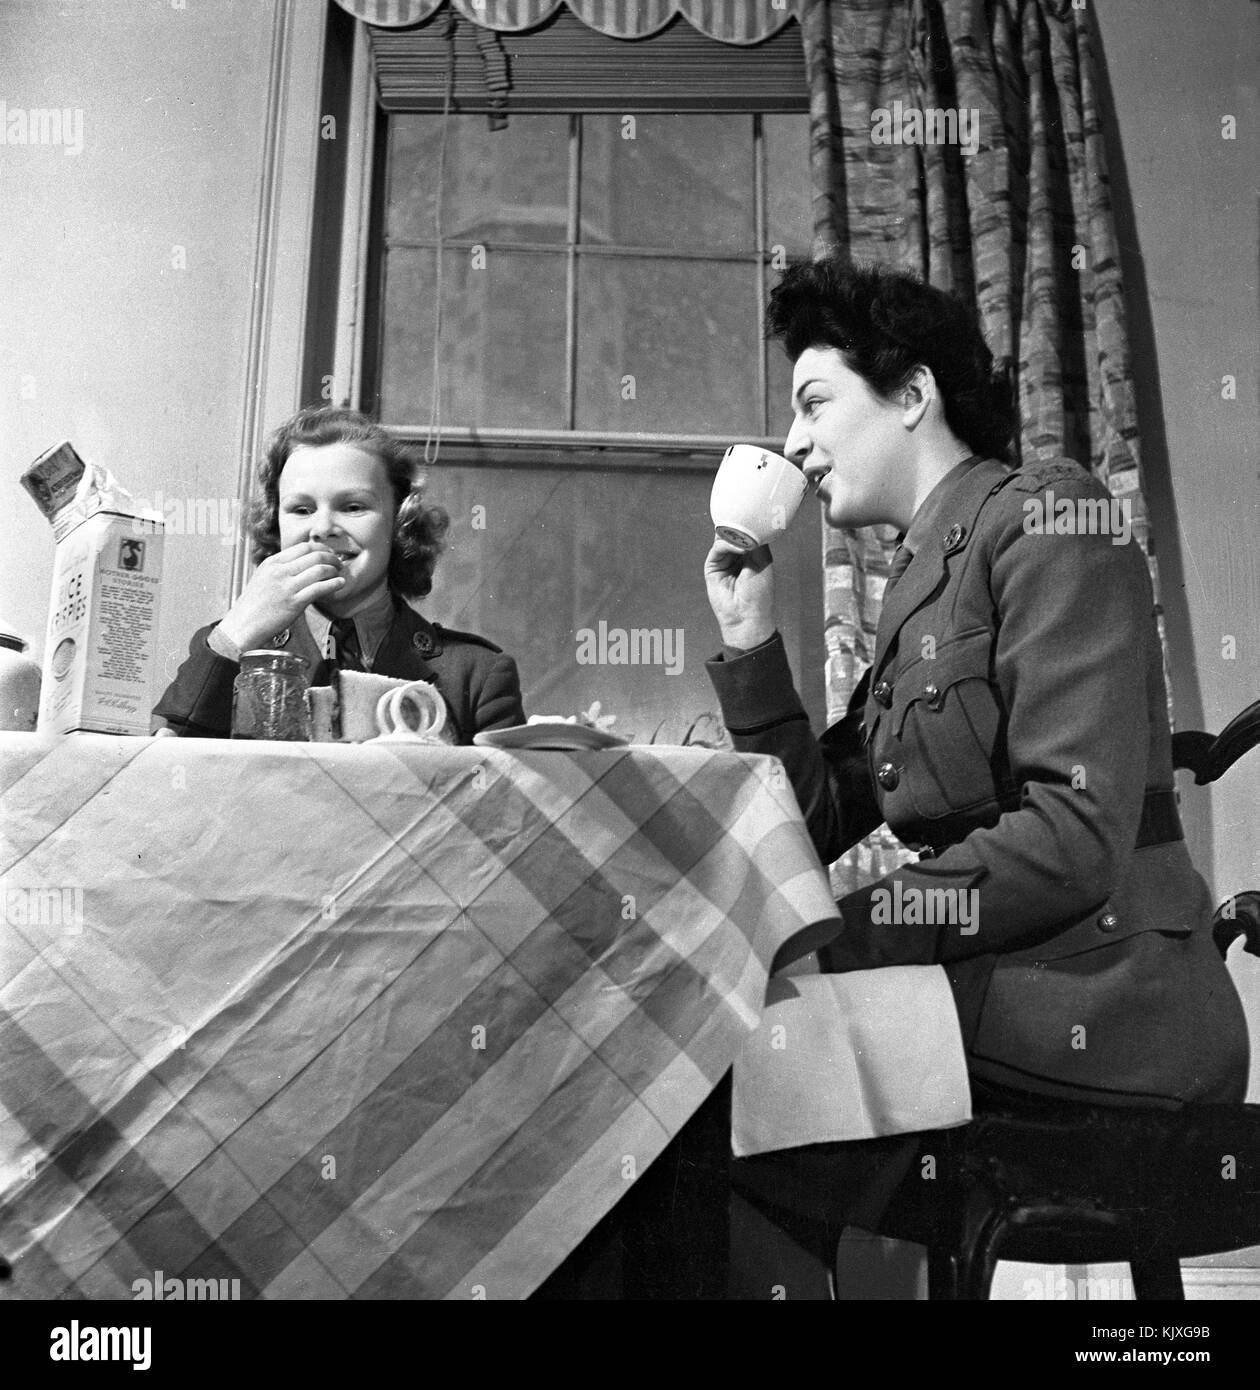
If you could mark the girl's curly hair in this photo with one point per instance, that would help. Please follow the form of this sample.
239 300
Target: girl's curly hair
419 530
888 322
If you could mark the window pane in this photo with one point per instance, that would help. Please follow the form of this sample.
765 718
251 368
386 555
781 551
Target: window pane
502 349
683 181
503 185
778 377
685 331
558 551
562 551
788 212
779 385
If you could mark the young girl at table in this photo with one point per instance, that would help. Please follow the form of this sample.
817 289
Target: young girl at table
342 539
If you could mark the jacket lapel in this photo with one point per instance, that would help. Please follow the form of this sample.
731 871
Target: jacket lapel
950 533
301 643
405 646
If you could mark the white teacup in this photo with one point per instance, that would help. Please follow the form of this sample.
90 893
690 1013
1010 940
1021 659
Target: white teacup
755 496
413 713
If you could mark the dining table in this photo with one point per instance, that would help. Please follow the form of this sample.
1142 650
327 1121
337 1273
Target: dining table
378 1021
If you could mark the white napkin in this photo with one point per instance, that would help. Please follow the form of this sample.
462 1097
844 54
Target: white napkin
852 1056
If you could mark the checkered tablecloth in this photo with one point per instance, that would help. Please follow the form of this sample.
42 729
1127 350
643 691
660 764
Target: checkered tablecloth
378 1022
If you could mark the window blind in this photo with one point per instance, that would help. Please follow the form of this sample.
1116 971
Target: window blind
565 66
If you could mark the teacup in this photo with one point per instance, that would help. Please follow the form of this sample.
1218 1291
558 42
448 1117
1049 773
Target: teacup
415 713
755 496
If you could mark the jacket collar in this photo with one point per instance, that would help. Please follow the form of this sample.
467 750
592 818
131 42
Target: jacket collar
941 527
924 523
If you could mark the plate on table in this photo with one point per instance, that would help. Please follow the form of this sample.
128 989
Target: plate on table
556 735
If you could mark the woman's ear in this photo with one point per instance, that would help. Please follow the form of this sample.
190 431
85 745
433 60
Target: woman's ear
917 395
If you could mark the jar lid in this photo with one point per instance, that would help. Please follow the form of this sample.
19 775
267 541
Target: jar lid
277 660
12 640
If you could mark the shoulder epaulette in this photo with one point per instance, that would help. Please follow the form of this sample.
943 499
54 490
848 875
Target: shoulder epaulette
455 635
1036 475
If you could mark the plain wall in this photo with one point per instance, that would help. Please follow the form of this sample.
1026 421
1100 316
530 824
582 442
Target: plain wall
103 340
1187 216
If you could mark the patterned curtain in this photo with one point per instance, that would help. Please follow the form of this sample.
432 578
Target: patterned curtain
1013 212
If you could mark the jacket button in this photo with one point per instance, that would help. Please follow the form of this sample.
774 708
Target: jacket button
1108 922
883 694
887 776
281 639
953 536
423 643
933 696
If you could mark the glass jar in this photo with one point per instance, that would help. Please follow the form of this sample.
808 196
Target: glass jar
269 697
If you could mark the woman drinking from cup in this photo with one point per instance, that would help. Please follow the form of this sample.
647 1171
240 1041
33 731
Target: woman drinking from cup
1012 727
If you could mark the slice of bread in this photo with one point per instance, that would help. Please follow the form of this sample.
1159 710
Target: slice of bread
358 693
323 704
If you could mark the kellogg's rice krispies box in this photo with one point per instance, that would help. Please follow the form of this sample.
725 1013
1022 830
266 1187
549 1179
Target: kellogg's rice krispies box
101 643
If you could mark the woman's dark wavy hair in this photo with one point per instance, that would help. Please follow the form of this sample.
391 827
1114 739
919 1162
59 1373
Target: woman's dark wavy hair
888 322
419 530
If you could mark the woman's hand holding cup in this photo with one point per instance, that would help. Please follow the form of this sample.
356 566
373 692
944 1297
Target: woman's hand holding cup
741 593
280 590
755 496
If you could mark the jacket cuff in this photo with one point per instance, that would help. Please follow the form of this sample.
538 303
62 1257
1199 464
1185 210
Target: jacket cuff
222 646
199 701
755 688
920 914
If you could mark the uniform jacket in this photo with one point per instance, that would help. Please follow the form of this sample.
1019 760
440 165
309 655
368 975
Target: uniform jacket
478 681
1013 726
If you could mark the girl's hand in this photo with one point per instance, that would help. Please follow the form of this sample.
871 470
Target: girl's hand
741 593
279 591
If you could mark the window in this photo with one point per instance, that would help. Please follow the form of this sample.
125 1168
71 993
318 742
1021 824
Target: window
599 272
602 267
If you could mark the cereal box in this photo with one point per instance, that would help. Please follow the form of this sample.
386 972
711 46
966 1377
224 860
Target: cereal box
101 641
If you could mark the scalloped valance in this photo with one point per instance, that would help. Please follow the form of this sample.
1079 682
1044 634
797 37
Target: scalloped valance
728 21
